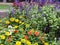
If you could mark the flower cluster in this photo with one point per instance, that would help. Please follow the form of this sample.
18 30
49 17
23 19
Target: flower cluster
31 24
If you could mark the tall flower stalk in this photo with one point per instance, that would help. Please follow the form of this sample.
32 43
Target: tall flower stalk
21 6
16 1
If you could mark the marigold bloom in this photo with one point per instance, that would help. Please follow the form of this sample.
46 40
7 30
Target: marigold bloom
29 33
36 33
7 22
0 21
18 43
15 26
7 33
12 19
2 36
27 25
28 42
36 44
15 31
9 39
20 16
32 30
46 43
23 40
26 37
17 20
22 29
20 22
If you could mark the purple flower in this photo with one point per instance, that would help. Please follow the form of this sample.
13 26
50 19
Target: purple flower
16 1
25 0
39 8
57 7
29 8
51 1
13 12
38 1
58 38
43 15
21 6
44 28
34 0
41 2
58 2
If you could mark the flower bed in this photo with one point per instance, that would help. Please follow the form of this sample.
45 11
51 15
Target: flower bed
30 24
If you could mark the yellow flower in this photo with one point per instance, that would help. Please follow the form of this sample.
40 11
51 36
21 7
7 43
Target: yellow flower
27 25
46 43
52 43
21 29
43 41
18 43
36 44
12 19
23 40
20 16
28 42
7 22
16 20
32 30
1 44
7 33
45 34
20 22
15 26
0 21
2 36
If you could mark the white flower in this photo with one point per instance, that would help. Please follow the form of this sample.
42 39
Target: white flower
9 26
10 32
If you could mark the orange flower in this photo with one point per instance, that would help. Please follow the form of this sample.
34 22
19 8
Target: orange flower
9 39
42 39
36 33
29 32
15 31
26 37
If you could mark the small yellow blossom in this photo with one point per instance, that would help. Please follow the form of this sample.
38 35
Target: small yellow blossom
15 26
43 41
52 43
32 30
45 34
46 43
17 20
23 40
21 29
18 43
7 22
0 21
27 25
12 19
7 33
2 36
36 44
20 16
28 42
20 22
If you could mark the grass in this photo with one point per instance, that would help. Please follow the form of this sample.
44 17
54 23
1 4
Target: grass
3 6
